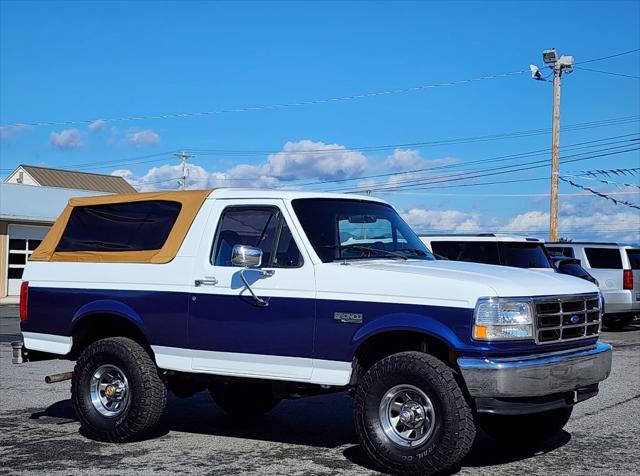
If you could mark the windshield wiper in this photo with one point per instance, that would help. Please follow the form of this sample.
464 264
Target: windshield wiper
368 249
413 251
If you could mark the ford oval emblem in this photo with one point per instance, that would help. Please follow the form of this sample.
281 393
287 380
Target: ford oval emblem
575 319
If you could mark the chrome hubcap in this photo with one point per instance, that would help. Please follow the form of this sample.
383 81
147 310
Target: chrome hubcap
407 415
109 389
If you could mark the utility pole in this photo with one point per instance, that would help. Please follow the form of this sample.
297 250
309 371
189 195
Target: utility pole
558 65
555 159
184 157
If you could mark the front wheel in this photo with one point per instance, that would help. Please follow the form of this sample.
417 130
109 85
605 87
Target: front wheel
116 391
532 428
411 415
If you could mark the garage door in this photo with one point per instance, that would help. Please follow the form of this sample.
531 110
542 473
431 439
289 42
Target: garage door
23 239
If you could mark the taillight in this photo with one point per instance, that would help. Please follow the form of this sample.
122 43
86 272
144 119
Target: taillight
24 298
627 279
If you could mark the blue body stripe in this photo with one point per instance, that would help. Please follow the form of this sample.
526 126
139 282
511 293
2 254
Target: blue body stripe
288 326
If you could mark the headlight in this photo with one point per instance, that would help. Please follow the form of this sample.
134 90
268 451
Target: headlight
502 319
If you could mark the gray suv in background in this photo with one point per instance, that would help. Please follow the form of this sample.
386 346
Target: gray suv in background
617 269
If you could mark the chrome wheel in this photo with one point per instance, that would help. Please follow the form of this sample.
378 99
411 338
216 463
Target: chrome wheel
109 390
407 415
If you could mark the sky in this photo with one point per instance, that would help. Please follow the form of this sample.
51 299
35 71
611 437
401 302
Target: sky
102 87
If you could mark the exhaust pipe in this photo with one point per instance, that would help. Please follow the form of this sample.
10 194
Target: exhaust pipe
58 377
18 356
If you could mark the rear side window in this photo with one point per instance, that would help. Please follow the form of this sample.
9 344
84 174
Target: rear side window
634 258
604 258
135 226
471 251
562 250
524 255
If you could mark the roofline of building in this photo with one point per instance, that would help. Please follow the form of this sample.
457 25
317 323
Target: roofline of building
13 218
70 171
98 192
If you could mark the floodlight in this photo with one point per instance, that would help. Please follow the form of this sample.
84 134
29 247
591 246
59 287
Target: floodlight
566 61
549 56
535 72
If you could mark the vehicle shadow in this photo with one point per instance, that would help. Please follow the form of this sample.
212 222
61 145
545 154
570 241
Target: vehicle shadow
323 421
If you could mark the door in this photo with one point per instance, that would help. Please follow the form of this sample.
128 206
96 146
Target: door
23 240
231 332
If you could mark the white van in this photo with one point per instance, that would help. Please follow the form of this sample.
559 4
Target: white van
617 269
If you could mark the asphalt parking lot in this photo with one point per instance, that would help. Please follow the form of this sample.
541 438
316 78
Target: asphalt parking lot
310 436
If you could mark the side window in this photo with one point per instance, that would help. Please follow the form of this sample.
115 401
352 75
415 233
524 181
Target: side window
261 227
287 252
471 251
133 226
604 258
562 250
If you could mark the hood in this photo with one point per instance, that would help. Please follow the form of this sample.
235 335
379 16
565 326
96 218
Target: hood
504 281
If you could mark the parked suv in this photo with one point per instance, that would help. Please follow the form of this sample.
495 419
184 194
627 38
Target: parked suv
258 295
490 248
572 267
617 269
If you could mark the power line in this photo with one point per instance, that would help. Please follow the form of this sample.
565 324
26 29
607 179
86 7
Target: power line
607 72
408 184
418 145
152 158
352 97
533 153
608 57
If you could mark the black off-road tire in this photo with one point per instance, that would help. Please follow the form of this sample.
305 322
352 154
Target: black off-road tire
525 429
244 400
147 391
454 430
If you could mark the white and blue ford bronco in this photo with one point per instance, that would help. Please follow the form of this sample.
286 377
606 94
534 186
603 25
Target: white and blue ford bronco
257 296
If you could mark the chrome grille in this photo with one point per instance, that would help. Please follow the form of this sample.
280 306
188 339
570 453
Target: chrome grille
565 318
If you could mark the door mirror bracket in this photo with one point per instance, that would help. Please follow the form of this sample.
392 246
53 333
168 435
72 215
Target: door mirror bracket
250 257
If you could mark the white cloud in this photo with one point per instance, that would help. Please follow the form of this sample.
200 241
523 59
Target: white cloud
621 224
299 160
145 137
7 132
410 159
309 159
442 221
97 125
66 139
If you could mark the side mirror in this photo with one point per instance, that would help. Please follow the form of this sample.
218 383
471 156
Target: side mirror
246 256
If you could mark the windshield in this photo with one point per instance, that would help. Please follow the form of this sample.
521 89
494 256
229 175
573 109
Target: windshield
357 229
524 255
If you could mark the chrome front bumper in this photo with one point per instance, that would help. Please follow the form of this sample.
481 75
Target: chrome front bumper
536 375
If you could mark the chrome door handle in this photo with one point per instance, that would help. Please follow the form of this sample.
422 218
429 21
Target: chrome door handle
206 282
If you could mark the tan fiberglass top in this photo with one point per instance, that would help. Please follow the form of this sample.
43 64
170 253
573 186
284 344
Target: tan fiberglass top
191 201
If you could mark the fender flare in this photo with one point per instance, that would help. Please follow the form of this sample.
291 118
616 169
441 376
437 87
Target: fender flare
109 306
407 322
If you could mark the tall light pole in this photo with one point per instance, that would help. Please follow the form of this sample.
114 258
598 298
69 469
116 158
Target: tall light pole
184 157
558 65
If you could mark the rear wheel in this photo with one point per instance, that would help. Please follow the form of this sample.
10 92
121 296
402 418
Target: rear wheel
116 391
244 400
411 415
533 428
